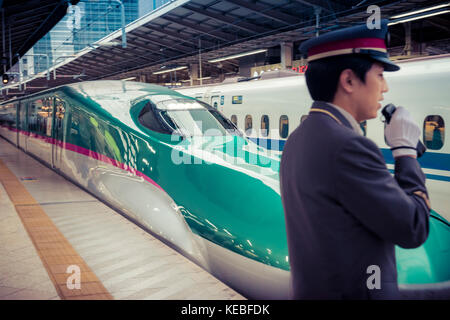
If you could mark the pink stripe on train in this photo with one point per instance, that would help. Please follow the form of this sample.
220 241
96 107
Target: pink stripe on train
88 153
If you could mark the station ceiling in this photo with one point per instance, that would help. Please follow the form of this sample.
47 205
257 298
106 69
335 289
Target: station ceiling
175 34
24 22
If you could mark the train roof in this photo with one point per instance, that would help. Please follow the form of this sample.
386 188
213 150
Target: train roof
106 89
110 98
129 90
114 98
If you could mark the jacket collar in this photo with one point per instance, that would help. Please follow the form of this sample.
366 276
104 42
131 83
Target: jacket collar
326 107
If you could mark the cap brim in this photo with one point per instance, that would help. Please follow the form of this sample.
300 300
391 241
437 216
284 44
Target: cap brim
388 64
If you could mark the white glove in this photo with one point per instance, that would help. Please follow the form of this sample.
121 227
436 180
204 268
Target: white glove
402 134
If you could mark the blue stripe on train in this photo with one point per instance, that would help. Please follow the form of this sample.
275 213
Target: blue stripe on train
270 144
430 176
430 160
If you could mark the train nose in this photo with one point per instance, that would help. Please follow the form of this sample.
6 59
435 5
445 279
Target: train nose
427 266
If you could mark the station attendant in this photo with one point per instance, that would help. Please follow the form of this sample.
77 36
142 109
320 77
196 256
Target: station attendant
344 211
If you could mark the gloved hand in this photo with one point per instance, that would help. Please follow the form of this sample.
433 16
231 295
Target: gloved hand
402 134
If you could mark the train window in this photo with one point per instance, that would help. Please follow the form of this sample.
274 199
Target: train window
284 126
8 115
265 125
248 125
434 132
59 114
32 119
40 117
185 117
147 117
363 126
23 118
60 108
234 119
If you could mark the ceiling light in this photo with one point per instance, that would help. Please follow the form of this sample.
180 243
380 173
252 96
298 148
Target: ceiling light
111 43
170 70
239 55
420 11
417 17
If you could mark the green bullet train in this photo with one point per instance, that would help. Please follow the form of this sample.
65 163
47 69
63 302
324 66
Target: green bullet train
185 173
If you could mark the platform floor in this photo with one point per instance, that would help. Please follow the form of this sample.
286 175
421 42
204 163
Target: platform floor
47 223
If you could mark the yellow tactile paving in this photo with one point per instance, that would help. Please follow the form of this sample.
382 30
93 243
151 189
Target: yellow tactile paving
55 251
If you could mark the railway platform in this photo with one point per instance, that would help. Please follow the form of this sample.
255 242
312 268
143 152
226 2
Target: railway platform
59 242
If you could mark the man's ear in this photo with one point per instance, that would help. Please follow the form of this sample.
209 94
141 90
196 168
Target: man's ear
347 80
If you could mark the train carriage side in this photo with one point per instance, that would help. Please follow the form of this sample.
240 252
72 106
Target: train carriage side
119 164
75 136
8 120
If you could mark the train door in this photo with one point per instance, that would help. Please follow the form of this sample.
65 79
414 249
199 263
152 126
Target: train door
215 100
17 105
22 125
58 132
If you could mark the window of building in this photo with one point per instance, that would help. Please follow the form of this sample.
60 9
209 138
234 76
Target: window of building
234 119
434 132
248 124
265 125
284 126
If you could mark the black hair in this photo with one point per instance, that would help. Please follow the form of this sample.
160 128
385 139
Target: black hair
322 75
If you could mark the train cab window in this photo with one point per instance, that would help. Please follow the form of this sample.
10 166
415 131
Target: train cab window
234 120
434 132
284 126
248 125
265 125
148 118
185 117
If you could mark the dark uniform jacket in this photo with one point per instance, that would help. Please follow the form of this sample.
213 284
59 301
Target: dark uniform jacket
345 211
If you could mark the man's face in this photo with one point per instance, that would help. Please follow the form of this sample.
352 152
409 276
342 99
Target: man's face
368 95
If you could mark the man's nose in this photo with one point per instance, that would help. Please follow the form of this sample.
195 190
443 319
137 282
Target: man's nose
385 86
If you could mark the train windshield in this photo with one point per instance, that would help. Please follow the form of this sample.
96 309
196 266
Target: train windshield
193 118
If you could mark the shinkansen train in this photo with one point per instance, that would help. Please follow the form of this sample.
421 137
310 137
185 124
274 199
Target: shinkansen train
184 172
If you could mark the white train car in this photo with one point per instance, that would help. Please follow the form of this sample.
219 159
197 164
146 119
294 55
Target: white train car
267 110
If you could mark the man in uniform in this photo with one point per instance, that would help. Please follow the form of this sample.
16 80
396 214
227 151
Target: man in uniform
344 211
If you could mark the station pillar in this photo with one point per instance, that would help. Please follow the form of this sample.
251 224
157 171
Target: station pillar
408 42
193 73
286 54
